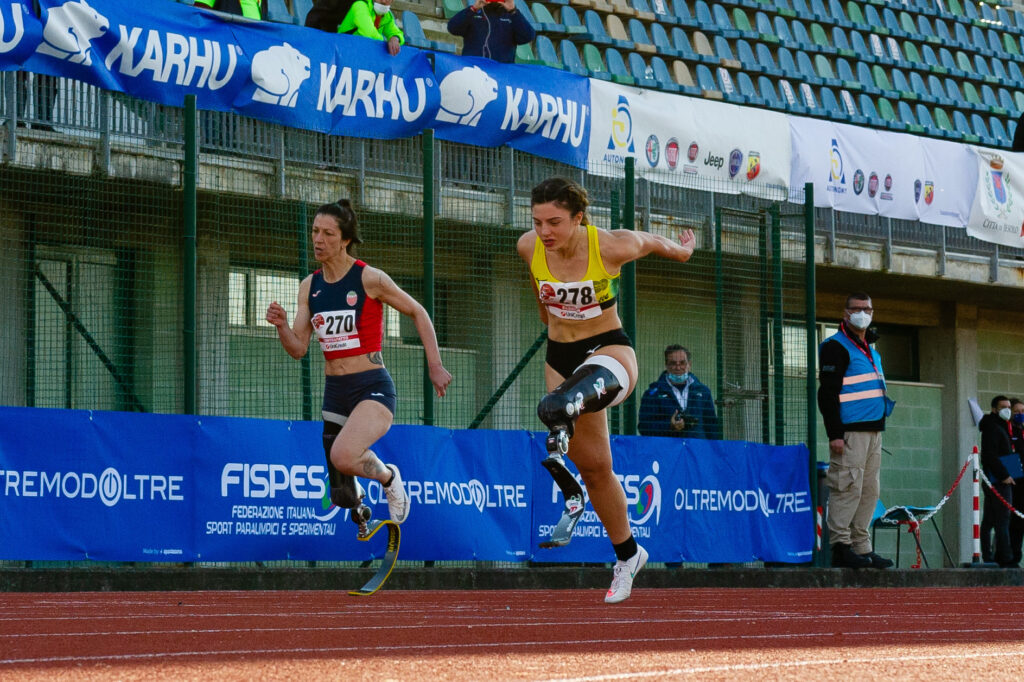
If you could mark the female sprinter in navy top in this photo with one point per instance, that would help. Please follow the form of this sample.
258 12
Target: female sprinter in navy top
342 303
590 363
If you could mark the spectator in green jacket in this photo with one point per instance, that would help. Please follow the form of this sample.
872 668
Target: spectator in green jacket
373 19
251 9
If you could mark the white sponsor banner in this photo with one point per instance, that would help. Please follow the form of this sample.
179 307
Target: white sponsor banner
860 170
997 214
689 142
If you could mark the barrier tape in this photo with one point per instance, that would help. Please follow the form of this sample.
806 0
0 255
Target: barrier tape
999 497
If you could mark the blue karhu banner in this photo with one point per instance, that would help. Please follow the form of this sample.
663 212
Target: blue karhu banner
163 51
489 104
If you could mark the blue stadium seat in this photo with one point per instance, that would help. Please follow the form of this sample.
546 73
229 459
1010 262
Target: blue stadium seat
662 10
662 43
818 11
925 7
790 98
845 73
930 59
918 86
810 102
1011 129
900 84
801 9
942 32
722 49
841 43
924 27
787 63
682 45
745 55
524 9
858 45
301 8
837 16
767 61
782 31
769 95
746 89
414 36
638 34
723 23
988 97
979 43
596 32
995 44
1006 102
727 87
868 111
546 54
831 105
617 67
278 11
664 78
866 79
948 63
850 105
682 13
907 116
924 119
571 20
800 35
784 8
702 13
892 23
569 57
961 124
806 69
705 81
981 68
872 19
764 27
999 132
954 95
641 72
970 11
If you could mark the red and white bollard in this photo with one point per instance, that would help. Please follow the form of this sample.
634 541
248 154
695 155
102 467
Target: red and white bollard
976 557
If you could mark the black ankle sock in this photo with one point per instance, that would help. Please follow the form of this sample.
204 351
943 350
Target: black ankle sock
625 550
392 479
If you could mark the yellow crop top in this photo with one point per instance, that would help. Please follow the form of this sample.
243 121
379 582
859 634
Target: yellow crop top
575 300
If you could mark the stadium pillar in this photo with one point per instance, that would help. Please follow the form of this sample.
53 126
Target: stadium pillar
189 255
629 289
428 261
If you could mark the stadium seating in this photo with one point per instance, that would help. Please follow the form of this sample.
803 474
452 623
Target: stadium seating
278 11
414 35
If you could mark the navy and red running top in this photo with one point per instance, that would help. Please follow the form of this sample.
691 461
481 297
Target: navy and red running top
346 320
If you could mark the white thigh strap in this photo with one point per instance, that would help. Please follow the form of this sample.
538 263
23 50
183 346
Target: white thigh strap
616 368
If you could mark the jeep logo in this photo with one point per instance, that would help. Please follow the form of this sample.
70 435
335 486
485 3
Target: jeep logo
714 161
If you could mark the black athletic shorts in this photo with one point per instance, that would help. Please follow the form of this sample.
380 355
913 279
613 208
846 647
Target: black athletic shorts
343 393
565 357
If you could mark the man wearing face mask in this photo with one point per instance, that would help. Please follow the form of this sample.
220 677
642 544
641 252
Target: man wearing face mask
372 19
996 443
492 29
853 405
678 404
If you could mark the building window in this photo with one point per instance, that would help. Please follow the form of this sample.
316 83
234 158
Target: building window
251 291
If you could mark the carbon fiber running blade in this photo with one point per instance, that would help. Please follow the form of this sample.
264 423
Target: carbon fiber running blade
563 531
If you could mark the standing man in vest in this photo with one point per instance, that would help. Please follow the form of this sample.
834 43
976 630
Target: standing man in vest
853 405
251 9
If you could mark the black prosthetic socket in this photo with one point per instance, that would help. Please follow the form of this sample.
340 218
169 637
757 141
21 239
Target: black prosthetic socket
591 388
344 492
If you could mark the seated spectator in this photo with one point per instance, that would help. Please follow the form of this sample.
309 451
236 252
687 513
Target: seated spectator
678 404
251 9
492 29
367 18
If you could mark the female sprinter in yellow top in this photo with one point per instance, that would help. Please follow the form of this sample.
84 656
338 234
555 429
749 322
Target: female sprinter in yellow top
590 363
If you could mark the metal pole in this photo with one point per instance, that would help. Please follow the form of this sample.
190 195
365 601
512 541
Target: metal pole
763 327
305 366
628 305
779 375
615 413
810 321
190 254
719 321
428 261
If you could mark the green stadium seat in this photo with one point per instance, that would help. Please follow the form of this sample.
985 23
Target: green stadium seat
594 63
823 67
944 124
452 7
885 110
820 39
742 24
545 23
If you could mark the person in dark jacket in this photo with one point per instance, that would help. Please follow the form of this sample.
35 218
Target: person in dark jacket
996 442
1017 438
854 404
491 29
678 404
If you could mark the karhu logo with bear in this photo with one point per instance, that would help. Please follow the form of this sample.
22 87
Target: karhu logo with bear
465 94
278 73
69 30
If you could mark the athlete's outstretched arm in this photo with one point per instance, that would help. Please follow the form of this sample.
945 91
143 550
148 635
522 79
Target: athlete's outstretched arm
622 246
525 249
295 339
380 286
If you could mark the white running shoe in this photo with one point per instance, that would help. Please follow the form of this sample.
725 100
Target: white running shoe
624 572
398 498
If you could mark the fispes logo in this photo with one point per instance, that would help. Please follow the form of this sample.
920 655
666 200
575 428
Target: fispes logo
621 137
643 497
836 174
278 72
69 30
465 94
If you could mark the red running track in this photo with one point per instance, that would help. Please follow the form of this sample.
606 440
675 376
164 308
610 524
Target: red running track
935 633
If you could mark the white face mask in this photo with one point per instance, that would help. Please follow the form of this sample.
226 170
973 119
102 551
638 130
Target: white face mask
380 9
860 320
1005 414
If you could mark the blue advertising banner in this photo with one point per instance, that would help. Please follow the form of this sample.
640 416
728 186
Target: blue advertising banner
117 486
489 104
20 32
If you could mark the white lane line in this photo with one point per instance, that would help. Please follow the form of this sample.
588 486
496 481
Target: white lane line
479 645
845 661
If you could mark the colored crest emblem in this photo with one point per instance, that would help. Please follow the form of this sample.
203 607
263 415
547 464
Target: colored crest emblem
547 292
318 321
735 161
753 164
672 153
872 184
622 126
836 173
888 182
929 192
691 153
917 191
858 181
653 149
351 298
998 187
